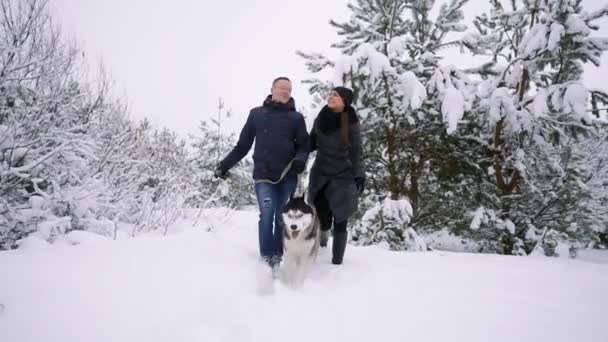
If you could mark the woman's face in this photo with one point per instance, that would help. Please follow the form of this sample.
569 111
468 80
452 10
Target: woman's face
334 102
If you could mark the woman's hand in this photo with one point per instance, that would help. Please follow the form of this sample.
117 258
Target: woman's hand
360 182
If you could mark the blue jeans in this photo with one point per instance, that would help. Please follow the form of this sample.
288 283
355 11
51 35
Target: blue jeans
271 199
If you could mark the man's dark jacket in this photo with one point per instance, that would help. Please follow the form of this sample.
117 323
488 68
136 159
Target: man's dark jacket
280 137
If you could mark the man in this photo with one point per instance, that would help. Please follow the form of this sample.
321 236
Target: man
280 154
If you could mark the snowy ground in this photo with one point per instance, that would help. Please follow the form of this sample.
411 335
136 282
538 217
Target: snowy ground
200 286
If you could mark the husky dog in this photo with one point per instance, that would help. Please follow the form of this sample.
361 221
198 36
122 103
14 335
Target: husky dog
300 240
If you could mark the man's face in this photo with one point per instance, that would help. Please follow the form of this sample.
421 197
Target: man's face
281 91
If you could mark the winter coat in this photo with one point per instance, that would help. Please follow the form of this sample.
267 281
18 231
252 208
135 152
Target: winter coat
280 137
336 166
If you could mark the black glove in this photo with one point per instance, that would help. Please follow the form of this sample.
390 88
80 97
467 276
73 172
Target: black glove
221 172
298 166
360 182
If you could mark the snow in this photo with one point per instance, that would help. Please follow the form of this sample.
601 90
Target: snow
452 108
515 74
195 285
593 255
52 226
478 217
451 86
534 40
37 203
575 100
531 233
413 91
5 141
510 226
414 242
33 242
446 241
395 47
399 211
500 105
562 250
539 105
19 153
557 32
577 25
375 64
77 237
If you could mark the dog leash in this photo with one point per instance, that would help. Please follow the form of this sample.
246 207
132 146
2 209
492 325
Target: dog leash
280 178
299 190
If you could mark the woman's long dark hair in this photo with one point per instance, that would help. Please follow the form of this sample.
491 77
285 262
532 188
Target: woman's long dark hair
344 128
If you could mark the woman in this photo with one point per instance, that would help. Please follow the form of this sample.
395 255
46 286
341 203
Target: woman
336 177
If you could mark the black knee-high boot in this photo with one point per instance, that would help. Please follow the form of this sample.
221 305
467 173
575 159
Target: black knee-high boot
339 243
323 238
325 217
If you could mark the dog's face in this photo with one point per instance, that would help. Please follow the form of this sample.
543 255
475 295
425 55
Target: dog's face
297 217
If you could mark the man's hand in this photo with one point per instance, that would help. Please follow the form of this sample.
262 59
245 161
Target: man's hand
220 172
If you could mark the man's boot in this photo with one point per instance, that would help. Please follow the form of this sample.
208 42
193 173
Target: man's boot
338 247
275 262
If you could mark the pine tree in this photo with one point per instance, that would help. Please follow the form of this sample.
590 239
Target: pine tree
410 104
497 153
535 117
210 145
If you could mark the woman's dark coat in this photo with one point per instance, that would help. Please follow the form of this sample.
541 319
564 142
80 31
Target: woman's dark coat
336 166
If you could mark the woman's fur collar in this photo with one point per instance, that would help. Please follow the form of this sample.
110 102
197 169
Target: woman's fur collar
329 121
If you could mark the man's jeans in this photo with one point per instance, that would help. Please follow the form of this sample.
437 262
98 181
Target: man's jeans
271 199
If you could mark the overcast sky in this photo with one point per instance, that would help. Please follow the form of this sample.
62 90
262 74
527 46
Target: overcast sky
174 59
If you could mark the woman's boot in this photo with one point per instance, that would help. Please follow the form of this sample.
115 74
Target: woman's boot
338 247
323 238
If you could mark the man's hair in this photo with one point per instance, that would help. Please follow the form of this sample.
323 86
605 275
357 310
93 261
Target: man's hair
282 78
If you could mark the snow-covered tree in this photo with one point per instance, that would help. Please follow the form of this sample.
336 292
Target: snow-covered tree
535 119
70 159
44 117
389 221
499 153
210 145
410 104
163 188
